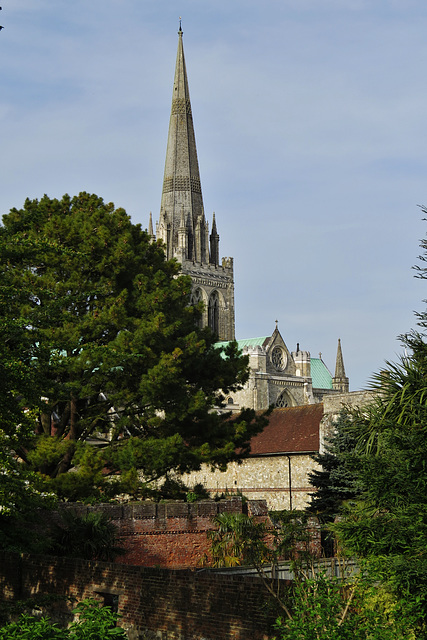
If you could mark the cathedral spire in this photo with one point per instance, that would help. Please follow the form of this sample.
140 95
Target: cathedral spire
340 381
183 227
181 183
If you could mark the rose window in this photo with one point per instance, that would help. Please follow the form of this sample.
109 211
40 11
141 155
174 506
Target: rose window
278 358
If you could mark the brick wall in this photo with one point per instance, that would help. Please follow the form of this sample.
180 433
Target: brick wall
154 603
172 534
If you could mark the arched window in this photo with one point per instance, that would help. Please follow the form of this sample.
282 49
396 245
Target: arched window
213 312
284 400
196 297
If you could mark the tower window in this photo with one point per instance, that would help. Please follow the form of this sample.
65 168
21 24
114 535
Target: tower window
213 312
197 297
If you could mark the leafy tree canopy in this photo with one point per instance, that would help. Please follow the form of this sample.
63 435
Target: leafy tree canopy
316 604
378 456
106 368
388 523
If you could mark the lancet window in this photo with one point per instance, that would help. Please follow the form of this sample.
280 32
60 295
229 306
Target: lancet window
213 312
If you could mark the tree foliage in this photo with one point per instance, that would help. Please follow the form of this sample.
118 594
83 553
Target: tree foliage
92 623
387 525
324 607
315 604
237 540
335 482
92 536
380 452
111 354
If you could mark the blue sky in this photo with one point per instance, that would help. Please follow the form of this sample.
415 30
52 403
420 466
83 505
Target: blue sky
310 119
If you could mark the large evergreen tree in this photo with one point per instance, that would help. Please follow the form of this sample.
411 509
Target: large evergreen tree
112 350
335 481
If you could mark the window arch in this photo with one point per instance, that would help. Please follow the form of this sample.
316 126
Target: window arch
213 312
196 297
284 400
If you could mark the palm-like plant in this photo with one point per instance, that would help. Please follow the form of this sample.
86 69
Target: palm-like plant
237 540
92 536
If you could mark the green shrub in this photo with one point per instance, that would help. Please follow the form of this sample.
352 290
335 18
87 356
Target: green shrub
92 537
93 623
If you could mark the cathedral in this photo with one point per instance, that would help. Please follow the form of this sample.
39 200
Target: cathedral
278 376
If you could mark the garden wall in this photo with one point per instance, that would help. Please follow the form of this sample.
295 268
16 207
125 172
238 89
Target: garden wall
154 603
169 535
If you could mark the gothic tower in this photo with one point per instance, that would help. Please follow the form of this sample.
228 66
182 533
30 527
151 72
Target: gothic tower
182 224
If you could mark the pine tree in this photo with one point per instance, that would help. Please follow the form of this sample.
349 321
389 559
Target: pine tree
114 352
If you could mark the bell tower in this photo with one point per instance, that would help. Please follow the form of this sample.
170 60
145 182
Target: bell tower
182 224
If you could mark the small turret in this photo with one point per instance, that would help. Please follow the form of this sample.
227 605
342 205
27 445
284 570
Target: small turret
206 244
214 243
340 382
302 362
150 228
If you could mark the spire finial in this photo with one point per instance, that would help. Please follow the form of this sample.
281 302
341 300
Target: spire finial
214 229
180 32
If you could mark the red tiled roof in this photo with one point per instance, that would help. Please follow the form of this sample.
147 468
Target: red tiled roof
290 430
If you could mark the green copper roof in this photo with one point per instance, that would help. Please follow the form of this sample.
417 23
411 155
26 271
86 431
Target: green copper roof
249 342
320 375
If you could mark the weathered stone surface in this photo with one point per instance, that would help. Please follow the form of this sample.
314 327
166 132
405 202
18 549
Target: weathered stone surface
263 478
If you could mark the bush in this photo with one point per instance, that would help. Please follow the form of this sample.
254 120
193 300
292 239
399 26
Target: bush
94 623
327 608
92 537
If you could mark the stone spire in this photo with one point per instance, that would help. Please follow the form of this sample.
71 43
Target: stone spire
182 226
340 381
150 227
181 184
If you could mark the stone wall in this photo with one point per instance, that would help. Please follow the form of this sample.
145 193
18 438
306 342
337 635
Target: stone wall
263 390
153 603
267 477
262 478
333 404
